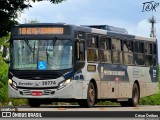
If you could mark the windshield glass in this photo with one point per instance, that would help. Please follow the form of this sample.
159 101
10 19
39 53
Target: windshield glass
41 54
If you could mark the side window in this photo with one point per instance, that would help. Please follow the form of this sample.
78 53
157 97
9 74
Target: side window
116 44
80 50
139 59
139 47
128 52
128 46
148 60
148 48
105 43
105 49
92 41
92 55
92 48
139 53
148 54
116 50
154 54
154 49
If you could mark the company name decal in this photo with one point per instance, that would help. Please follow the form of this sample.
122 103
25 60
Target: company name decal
111 72
119 73
27 83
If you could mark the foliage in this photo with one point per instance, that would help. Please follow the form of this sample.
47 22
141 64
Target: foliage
107 103
3 71
150 100
3 81
52 1
32 21
9 11
4 39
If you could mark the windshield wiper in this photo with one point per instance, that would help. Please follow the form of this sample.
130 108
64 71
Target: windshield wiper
27 43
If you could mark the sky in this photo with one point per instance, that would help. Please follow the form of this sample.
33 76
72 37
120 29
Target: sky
119 13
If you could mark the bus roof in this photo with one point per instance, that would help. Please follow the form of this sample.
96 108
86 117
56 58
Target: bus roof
122 35
108 28
97 29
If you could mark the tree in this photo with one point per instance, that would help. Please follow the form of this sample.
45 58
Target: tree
32 21
9 11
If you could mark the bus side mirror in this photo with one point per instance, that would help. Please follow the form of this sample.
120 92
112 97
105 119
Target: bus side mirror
5 54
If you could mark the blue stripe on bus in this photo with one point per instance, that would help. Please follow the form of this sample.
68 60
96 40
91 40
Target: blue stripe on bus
69 74
78 76
113 72
110 72
75 75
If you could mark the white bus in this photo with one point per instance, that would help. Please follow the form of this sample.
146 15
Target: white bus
87 64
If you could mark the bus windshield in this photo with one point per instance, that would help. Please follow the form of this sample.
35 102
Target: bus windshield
41 54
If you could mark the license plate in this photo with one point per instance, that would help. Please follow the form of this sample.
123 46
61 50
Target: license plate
36 93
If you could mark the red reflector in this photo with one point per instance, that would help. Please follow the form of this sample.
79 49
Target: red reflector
116 79
36 93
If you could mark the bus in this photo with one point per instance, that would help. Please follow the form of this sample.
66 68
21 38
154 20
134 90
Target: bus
57 62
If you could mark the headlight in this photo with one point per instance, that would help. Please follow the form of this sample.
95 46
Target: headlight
64 83
67 81
12 83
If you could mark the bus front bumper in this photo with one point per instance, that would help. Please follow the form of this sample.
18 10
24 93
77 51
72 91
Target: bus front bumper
73 90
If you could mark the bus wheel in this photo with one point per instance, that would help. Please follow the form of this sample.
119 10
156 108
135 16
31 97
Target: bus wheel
33 103
133 102
135 96
91 97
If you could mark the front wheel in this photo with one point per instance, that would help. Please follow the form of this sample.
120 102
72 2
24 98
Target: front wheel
91 97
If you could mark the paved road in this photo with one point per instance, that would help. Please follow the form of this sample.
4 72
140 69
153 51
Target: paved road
96 108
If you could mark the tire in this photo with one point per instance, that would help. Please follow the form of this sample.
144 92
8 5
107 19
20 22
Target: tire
135 96
133 102
34 102
91 97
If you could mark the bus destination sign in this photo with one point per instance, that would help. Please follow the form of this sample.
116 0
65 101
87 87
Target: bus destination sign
40 30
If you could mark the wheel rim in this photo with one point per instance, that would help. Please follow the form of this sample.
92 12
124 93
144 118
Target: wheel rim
91 95
135 98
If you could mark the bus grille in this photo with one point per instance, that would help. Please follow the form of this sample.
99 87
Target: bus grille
29 92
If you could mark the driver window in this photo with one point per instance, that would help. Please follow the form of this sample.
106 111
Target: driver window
80 48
